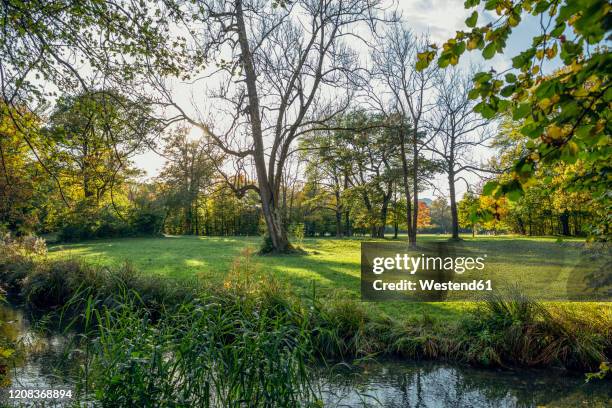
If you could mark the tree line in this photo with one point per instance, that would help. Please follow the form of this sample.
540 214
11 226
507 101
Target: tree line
286 96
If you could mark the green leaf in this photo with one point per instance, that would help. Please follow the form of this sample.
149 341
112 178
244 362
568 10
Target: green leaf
503 105
523 59
482 77
532 130
489 51
490 187
487 111
521 111
513 190
474 93
471 20
558 30
514 195
546 89
421 65
508 90
510 78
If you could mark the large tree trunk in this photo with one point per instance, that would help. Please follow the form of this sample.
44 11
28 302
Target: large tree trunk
453 205
564 220
269 197
338 224
338 215
347 224
412 239
370 209
384 211
276 230
405 175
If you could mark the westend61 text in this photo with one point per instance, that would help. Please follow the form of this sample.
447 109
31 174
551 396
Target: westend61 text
432 285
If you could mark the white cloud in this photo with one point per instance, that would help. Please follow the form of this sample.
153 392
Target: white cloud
439 18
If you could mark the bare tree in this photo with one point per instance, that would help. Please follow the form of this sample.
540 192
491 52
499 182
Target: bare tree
456 130
282 69
406 98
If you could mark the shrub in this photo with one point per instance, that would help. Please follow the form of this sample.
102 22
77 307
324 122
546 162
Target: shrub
267 247
48 286
18 258
146 222
73 232
90 223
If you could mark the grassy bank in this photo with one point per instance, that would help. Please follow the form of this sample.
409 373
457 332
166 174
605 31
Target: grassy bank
333 265
512 330
153 339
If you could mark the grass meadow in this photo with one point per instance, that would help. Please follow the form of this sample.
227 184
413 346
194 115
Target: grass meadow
332 264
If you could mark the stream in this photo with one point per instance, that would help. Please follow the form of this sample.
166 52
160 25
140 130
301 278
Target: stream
47 365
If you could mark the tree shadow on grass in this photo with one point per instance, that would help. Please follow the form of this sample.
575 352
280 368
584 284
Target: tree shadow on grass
338 283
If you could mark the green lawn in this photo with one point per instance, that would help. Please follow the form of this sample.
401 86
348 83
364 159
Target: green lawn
333 264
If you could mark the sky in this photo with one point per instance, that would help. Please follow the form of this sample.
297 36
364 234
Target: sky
440 19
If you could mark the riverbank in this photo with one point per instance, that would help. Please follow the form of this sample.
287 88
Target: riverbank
153 337
497 332
368 383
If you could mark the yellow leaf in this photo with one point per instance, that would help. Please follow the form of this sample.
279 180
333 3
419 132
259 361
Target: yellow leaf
575 67
544 103
554 132
580 92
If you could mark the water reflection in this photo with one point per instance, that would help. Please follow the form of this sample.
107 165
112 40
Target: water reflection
49 362
41 360
407 385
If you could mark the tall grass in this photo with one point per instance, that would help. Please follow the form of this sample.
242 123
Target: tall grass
511 329
250 342
217 351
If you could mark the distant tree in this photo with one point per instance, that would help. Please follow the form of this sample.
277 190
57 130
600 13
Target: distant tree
456 130
398 209
330 168
441 214
424 219
187 173
549 204
360 159
95 135
223 213
407 92
469 212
